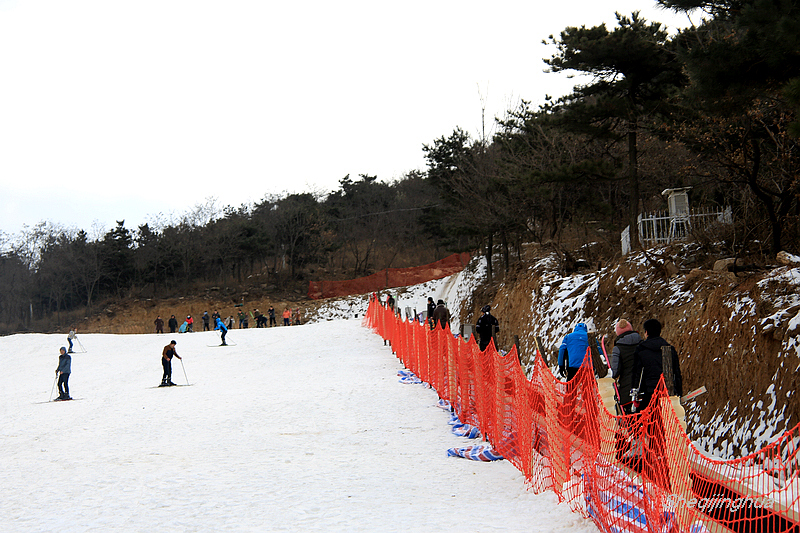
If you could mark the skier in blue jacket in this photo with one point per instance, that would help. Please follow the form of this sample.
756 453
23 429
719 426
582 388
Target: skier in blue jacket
223 331
573 350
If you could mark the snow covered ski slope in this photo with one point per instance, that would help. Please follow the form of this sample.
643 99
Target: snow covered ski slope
302 428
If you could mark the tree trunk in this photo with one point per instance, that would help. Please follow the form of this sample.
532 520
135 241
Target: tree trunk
489 246
633 183
506 260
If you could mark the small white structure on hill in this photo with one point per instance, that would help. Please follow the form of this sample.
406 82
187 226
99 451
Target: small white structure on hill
676 224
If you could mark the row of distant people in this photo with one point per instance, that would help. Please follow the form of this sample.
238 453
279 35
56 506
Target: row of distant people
487 326
263 320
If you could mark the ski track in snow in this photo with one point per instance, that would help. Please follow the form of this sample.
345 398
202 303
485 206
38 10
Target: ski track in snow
294 429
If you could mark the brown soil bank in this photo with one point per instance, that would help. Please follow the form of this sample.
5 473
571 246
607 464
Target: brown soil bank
139 315
737 334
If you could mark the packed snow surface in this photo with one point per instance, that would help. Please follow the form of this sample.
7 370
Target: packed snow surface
302 428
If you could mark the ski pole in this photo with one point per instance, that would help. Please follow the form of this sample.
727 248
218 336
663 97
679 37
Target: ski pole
184 372
636 396
53 388
79 342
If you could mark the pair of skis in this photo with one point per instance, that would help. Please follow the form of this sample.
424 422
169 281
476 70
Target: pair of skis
227 343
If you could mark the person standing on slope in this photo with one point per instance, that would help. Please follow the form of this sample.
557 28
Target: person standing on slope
622 362
63 371
441 315
73 332
166 361
222 330
173 324
486 327
271 312
573 350
431 309
159 322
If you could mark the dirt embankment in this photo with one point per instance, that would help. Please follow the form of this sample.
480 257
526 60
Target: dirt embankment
734 333
139 315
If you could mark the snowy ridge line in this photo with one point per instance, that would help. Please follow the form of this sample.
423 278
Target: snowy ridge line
561 437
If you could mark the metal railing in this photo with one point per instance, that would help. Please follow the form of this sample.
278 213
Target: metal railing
662 228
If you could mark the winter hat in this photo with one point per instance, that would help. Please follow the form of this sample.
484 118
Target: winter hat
622 326
440 302
63 349
485 309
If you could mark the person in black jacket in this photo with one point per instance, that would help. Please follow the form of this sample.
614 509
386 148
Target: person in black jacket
486 327
622 362
173 324
431 309
648 456
647 364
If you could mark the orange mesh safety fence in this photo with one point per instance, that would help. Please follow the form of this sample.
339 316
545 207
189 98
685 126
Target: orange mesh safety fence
636 473
389 278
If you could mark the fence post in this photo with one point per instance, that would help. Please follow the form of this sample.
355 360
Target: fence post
538 341
666 365
519 353
600 368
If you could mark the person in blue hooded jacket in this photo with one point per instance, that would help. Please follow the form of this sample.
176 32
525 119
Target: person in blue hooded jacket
573 350
222 330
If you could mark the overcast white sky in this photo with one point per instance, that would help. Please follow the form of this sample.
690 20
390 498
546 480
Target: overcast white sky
113 110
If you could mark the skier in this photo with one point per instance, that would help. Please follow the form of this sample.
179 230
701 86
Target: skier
486 327
63 371
159 322
622 362
573 350
166 362
271 312
222 329
173 324
287 317
72 334
190 324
